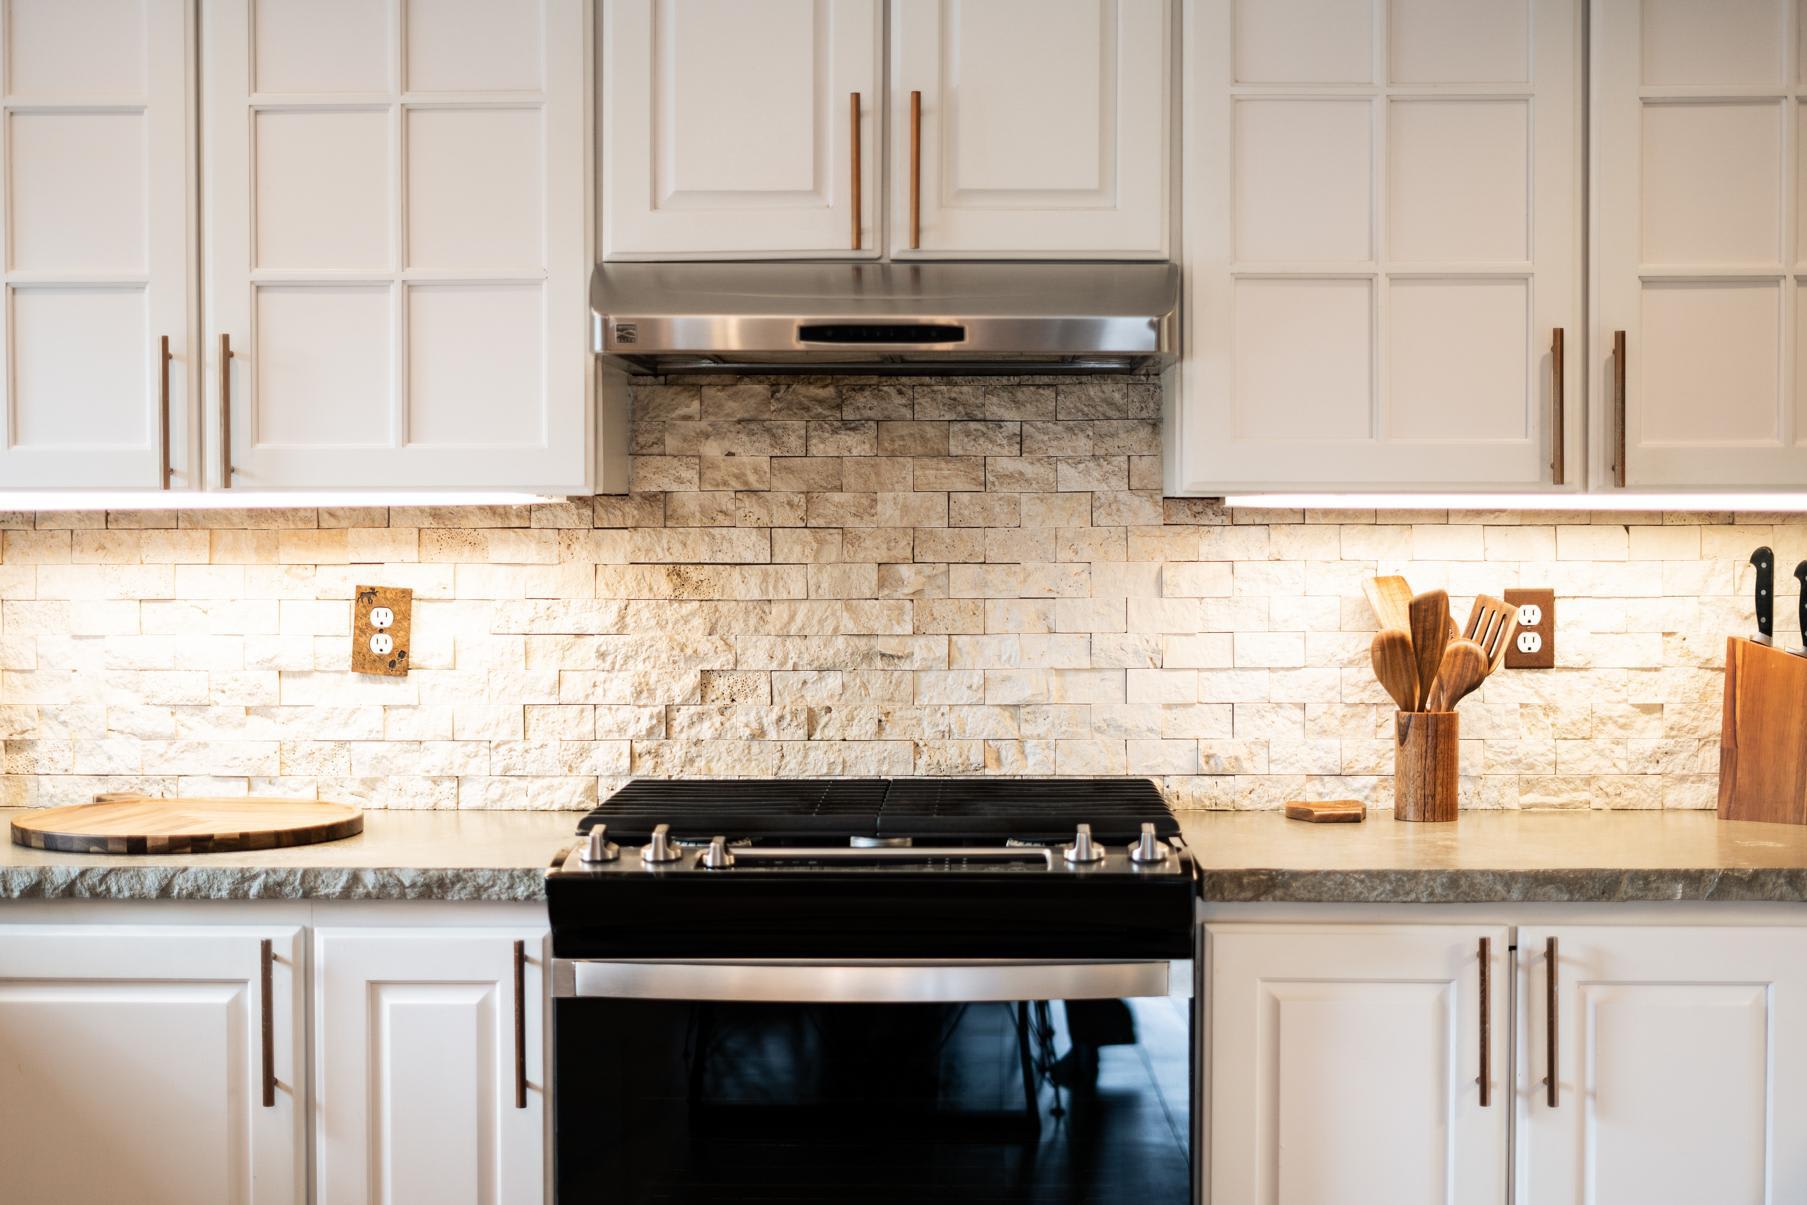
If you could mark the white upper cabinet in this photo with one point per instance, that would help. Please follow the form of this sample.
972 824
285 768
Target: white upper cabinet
397 243
1041 128
431 1081
1382 238
157 1065
95 188
1681 1063
1698 256
729 128
1346 1065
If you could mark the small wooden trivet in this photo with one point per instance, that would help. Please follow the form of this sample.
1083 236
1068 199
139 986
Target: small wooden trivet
1326 811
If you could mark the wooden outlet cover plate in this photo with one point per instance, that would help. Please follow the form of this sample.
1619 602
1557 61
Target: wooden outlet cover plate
1544 657
382 627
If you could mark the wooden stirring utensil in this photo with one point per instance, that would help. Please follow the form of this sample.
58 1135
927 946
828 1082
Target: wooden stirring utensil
1492 624
1430 635
1391 598
1394 665
1464 666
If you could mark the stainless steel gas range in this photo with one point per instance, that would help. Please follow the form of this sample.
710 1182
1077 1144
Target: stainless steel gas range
882 990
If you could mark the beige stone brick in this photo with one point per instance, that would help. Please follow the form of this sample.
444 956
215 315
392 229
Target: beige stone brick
988 438
735 472
1090 615
889 544
716 509
1091 473
843 581
35 547
948 616
1019 474
650 473
629 510
912 510
1006 544
950 687
916 581
984 510
1592 542
878 400
877 474
913 438
752 437
949 473
950 544
1090 757
1019 402
843 510
1162 686
842 438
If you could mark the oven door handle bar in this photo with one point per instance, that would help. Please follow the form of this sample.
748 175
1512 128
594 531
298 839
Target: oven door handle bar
903 981
896 853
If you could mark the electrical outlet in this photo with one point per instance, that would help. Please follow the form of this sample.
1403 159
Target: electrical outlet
1534 647
382 624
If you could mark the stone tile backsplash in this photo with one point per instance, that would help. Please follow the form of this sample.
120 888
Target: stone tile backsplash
852 577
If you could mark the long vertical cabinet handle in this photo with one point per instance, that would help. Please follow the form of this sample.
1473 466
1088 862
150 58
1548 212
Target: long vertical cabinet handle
520 1025
1618 406
853 159
266 977
163 474
1558 419
915 170
1486 1077
1550 1007
225 411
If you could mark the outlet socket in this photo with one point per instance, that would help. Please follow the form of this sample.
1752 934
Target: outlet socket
1535 645
382 624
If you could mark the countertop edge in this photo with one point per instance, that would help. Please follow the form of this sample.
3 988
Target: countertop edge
1513 886
165 882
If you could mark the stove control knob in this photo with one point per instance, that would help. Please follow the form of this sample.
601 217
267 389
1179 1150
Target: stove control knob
1149 849
1083 851
599 848
716 855
660 849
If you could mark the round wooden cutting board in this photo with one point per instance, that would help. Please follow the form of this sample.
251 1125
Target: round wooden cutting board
141 825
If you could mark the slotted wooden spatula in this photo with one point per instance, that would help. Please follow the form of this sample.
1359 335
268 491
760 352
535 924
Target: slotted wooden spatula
1391 652
1430 635
1491 624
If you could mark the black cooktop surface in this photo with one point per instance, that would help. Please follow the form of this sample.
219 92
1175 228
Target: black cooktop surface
837 810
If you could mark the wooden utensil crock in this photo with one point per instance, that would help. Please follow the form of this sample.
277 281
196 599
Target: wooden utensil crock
1763 740
1426 765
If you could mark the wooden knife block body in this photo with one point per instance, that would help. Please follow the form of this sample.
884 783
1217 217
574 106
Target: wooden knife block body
1763 738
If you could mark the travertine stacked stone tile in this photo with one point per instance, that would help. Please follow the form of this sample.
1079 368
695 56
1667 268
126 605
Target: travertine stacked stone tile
853 576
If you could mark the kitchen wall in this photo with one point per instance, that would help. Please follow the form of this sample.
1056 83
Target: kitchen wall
824 577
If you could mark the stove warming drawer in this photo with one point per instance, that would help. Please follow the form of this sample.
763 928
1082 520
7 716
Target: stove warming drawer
907 981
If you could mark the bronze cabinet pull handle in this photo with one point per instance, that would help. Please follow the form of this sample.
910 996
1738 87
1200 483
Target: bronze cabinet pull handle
1618 395
520 1025
915 170
225 412
163 475
1550 1008
1486 1076
266 975
1558 419
854 165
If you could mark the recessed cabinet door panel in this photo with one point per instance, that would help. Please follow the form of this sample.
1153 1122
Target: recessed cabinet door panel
95 184
728 128
1680 1064
1383 235
1043 127
131 1066
397 243
414 1040
1344 1063
1697 229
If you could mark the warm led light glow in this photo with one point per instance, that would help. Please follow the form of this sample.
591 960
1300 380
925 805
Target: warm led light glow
49 500
1565 502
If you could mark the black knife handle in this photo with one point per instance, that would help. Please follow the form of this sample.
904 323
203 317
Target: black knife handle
1765 561
1800 575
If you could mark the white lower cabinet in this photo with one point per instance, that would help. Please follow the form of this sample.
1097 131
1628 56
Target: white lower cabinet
1681 1066
1344 1064
134 1061
430 1076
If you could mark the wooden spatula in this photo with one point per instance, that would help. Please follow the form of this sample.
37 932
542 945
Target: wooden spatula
1492 624
1391 598
1391 653
1464 665
1430 634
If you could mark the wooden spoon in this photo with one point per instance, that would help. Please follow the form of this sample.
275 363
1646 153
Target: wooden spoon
1464 665
1391 652
1391 598
1430 634
1492 624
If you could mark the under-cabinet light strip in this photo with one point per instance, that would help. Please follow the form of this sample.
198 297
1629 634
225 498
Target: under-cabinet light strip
67 500
1777 502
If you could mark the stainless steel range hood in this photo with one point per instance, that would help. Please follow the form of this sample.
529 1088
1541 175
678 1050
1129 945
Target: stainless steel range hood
955 318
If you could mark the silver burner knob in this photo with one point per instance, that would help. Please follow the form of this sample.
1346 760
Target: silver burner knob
1149 849
716 856
1083 851
598 848
659 850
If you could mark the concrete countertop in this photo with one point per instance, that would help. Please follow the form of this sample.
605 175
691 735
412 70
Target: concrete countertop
1484 857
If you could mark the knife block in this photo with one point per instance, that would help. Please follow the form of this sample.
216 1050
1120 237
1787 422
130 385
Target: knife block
1426 765
1763 737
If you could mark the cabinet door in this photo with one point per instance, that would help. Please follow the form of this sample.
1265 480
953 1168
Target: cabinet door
1697 243
132 1065
729 132
417 1073
1681 1066
1043 132
396 242
1382 235
1344 1064
95 196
